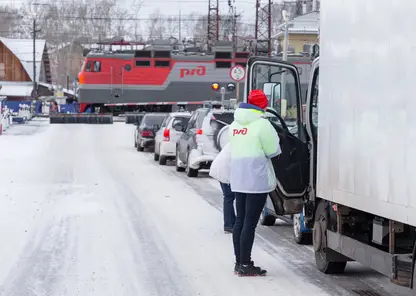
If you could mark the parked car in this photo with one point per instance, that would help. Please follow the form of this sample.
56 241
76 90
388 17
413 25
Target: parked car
168 134
144 135
198 146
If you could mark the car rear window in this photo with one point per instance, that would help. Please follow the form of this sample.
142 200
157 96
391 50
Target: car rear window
227 118
154 119
182 120
219 120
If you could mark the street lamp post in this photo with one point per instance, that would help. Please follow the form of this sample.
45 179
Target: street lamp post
286 16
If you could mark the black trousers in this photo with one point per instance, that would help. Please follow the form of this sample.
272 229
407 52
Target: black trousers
249 207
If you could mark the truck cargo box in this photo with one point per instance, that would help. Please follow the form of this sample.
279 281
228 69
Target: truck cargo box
367 122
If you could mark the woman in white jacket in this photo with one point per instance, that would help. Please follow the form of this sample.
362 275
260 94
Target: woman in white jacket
220 171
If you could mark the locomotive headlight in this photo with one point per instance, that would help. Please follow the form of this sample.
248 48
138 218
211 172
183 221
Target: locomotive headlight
215 86
231 87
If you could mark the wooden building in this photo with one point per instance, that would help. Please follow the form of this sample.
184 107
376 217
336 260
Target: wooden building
16 67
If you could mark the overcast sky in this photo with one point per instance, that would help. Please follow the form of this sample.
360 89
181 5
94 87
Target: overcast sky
172 7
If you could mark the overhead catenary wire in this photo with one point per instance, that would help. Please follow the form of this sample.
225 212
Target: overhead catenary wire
173 18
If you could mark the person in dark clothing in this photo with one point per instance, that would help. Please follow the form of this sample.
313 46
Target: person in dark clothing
220 171
228 209
253 142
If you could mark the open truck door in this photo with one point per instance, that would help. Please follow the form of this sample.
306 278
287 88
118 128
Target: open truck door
280 81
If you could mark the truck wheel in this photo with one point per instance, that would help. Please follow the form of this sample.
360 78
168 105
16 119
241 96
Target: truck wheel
266 219
300 237
414 281
178 168
162 160
320 242
190 172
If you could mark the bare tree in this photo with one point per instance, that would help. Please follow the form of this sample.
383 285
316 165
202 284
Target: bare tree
136 33
63 23
172 26
8 21
156 25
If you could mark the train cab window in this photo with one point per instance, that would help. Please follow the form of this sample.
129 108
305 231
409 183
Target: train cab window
88 66
162 64
142 63
223 64
97 66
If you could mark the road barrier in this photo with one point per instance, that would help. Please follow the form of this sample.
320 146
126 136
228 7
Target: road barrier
81 119
132 118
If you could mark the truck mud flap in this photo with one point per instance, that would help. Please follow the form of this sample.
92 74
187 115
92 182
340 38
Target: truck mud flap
81 119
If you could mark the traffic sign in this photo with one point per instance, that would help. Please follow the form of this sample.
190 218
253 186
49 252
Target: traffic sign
237 73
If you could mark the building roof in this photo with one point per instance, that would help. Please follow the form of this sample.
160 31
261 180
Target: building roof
64 90
16 89
23 50
304 24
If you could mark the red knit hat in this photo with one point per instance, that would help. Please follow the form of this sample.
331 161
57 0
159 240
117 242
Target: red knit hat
258 98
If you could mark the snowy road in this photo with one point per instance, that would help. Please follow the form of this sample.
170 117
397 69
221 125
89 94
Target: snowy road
83 213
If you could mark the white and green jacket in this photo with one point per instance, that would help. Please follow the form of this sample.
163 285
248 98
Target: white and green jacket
253 142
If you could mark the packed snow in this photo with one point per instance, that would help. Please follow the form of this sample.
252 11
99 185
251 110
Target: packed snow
84 213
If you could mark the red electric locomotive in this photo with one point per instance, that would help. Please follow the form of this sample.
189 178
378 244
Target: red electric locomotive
157 78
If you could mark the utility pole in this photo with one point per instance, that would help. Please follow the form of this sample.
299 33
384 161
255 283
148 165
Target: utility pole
213 23
35 85
180 27
231 25
263 30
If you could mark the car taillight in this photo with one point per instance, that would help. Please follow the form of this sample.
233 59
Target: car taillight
147 134
198 133
166 134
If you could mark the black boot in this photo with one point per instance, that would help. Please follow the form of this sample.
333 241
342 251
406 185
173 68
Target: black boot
251 270
236 267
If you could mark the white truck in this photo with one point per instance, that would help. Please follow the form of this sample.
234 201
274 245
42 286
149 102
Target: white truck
351 165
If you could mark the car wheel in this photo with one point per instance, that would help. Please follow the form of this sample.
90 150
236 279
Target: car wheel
162 160
139 148
178 168
299 236
155 156
266 219
190 172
